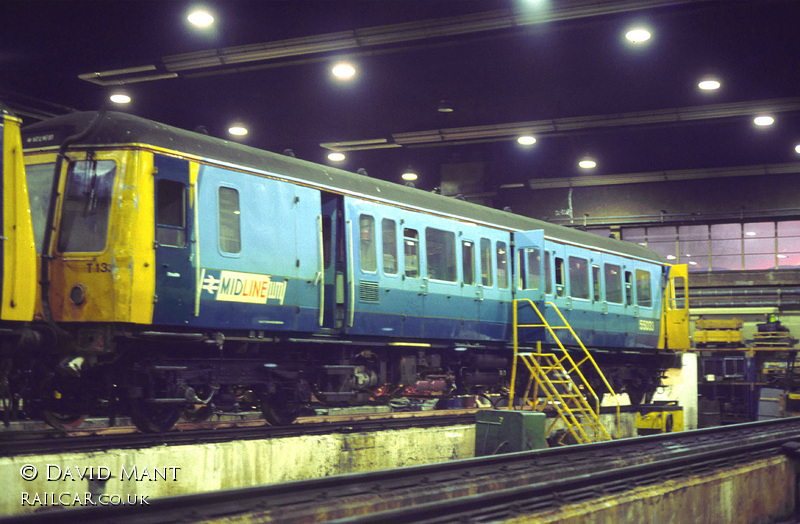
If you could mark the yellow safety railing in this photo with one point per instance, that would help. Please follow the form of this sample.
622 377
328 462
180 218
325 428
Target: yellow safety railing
554 375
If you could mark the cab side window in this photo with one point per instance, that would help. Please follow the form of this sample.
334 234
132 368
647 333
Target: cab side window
366 228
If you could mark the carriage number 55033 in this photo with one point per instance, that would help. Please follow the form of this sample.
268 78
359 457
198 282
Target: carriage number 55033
647 325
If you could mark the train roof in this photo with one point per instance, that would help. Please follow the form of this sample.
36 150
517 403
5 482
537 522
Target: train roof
114 128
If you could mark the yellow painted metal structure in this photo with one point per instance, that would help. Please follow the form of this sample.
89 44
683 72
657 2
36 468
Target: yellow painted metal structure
118 282
666 421
19 251
675 317
560 380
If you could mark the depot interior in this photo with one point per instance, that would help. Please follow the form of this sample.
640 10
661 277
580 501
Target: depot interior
672 124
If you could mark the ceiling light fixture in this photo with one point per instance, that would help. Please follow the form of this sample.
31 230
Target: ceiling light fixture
343 71
709 84
797 148
409 175
587 163
336 157
638 35
237 130
200 18
763 120
526 140
120 98
445 107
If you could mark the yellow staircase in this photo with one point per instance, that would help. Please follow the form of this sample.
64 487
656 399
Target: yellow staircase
556 382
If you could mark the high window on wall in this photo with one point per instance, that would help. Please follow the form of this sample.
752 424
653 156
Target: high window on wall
734 246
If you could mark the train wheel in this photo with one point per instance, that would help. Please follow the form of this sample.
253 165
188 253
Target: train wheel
279 412
61 395
282 407
150 418
63 421
195 414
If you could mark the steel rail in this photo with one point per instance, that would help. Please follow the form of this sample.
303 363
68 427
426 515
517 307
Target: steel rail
525 501
378 496
60 443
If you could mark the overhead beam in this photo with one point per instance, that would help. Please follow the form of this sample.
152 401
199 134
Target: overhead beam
664 176
172 65
455 135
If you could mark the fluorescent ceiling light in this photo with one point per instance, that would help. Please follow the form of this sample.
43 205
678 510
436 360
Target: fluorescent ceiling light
638 35
200 18
587 163
526 140
237 130
763 120
709 85
336 157
343 71
120 98
409 175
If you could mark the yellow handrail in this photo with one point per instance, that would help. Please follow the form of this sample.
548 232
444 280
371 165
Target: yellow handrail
574 367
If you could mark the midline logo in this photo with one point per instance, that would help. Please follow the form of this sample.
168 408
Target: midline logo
232 286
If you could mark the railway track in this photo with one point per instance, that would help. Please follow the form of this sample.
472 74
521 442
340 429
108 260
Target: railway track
14 443
485 488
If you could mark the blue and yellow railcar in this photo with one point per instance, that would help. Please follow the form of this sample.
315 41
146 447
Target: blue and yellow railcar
186 273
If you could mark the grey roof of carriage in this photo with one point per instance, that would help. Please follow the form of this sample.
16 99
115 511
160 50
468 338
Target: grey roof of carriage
122 128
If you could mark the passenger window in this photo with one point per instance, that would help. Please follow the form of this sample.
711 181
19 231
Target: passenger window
578 278
643 293
40 184
230 240
411 252
440 249
678 300
369 258
548 277
86 206
596 283
560 291
613 276
389 246
530 269
486 262
468 262
628 288
502 266
327 240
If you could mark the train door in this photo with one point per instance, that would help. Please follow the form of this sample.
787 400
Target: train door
175 274
334 270
579 312
441 282
677 307
558 268
495 294
415 287
613 306
17 251
528 281
471 290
